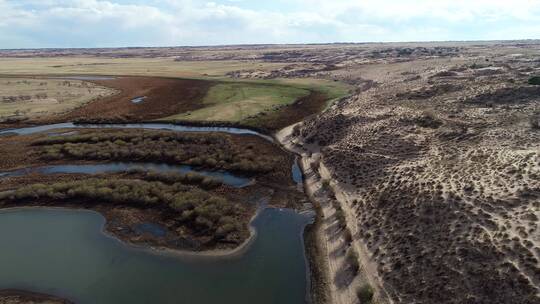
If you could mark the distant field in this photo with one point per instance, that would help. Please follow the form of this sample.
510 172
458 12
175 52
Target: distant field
238 101
32 98
257 102
128 66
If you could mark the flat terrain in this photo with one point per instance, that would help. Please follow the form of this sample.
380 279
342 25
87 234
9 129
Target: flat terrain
236 102
34 98
164 97
166 67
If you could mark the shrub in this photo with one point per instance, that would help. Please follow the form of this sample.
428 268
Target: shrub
352 261
315 166
190 206
365 294
347 236
199 150
535 80
325 184
535 121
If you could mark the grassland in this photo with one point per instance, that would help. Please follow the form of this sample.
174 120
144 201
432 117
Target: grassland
166 67
32 98
236 102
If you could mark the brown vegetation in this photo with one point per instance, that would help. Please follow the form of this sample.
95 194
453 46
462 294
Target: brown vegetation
165 97
287 115
209 151
440 174
213 218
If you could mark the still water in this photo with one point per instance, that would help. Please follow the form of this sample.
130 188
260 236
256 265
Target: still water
223 176
64 253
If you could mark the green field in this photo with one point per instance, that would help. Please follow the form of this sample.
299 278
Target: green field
237 101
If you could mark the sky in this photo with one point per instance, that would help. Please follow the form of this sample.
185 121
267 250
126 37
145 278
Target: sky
118 23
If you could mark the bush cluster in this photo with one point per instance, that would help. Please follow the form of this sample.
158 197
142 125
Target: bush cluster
352 261
340 214
535 80
211 151
365 294
192 207
191 178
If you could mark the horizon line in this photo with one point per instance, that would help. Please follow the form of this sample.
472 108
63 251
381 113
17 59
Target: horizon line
271 44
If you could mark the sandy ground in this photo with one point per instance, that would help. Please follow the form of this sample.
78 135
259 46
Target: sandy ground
34 98
436 165
342 287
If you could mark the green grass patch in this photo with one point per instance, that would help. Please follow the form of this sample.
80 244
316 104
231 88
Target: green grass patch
237 101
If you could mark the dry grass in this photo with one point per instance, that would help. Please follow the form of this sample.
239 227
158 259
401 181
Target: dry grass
32 98
127 66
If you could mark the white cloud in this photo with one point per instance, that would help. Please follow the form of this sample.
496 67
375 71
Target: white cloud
60 23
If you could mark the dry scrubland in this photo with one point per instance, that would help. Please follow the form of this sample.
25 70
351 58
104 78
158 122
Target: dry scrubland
32 98
435 164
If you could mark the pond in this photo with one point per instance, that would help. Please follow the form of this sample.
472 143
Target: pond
223 176
64 253
139 99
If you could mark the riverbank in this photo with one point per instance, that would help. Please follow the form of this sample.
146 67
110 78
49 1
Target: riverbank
124 218
15 296
339 284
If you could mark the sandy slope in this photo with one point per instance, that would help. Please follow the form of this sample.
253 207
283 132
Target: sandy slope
342 287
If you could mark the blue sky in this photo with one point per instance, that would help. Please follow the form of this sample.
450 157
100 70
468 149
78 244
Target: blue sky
111 23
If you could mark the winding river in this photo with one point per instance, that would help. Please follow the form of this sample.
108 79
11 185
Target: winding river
65 253
148 126
115 167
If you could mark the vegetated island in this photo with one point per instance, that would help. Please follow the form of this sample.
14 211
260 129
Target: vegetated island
194 212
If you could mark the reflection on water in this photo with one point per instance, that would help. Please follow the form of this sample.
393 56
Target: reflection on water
148 126
139 99
64 252
223 176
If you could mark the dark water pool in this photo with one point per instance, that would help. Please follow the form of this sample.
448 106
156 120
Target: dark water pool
297 172
139 99
65 253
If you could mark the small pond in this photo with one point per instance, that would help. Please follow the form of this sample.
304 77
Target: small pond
139 99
